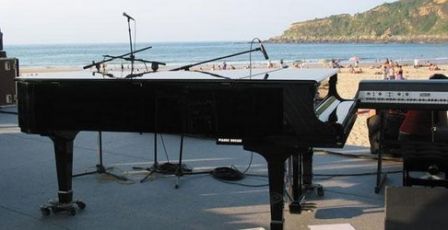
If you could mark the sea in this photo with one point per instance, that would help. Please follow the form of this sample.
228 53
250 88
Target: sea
181 53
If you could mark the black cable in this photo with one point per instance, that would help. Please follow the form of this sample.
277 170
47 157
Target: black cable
170 168
231 173
197 172
250 163
164 148
255 175
228 173
337 175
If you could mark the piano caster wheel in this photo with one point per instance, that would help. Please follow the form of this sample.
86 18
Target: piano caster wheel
81 205
295 207
320 191
56 207
45 211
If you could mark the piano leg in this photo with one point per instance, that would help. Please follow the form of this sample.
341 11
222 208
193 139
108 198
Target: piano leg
63 148
276 170
275 156
302 180
307 158
296 184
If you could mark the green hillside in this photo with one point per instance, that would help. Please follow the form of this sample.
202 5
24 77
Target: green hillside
401 21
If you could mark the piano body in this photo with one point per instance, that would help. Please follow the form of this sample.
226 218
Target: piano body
431 95
276 113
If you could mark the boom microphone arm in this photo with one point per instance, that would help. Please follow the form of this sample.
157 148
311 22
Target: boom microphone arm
115 57
263 50
187 67
135 59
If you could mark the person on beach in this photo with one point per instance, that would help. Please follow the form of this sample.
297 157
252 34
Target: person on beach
417 124
399 75
269 64
433 67
391 72
282 64
385 71
416 64
353 70
335 64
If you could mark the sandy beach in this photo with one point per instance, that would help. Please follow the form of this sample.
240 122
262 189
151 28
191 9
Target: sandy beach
347 86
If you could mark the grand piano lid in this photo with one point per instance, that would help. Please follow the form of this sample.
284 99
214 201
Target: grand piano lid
288 74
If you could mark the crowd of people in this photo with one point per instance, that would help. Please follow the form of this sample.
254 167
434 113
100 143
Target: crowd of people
392 70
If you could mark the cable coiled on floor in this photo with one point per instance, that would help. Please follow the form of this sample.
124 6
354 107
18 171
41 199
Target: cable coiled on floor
227 173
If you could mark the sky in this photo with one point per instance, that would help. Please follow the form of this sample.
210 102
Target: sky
95 21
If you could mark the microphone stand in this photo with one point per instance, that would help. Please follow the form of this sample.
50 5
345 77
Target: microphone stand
187 67
100 169
132 57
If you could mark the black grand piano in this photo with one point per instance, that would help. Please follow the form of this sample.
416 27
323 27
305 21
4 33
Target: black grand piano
280 114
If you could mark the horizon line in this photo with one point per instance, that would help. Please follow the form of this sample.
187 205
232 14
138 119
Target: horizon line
121 42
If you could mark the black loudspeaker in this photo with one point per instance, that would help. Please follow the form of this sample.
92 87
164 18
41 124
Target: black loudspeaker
409 208
8 71
2 53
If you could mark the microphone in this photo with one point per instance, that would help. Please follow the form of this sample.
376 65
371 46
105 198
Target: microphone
128 16
263 50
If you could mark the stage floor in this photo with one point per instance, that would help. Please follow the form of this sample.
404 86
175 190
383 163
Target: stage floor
28 179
